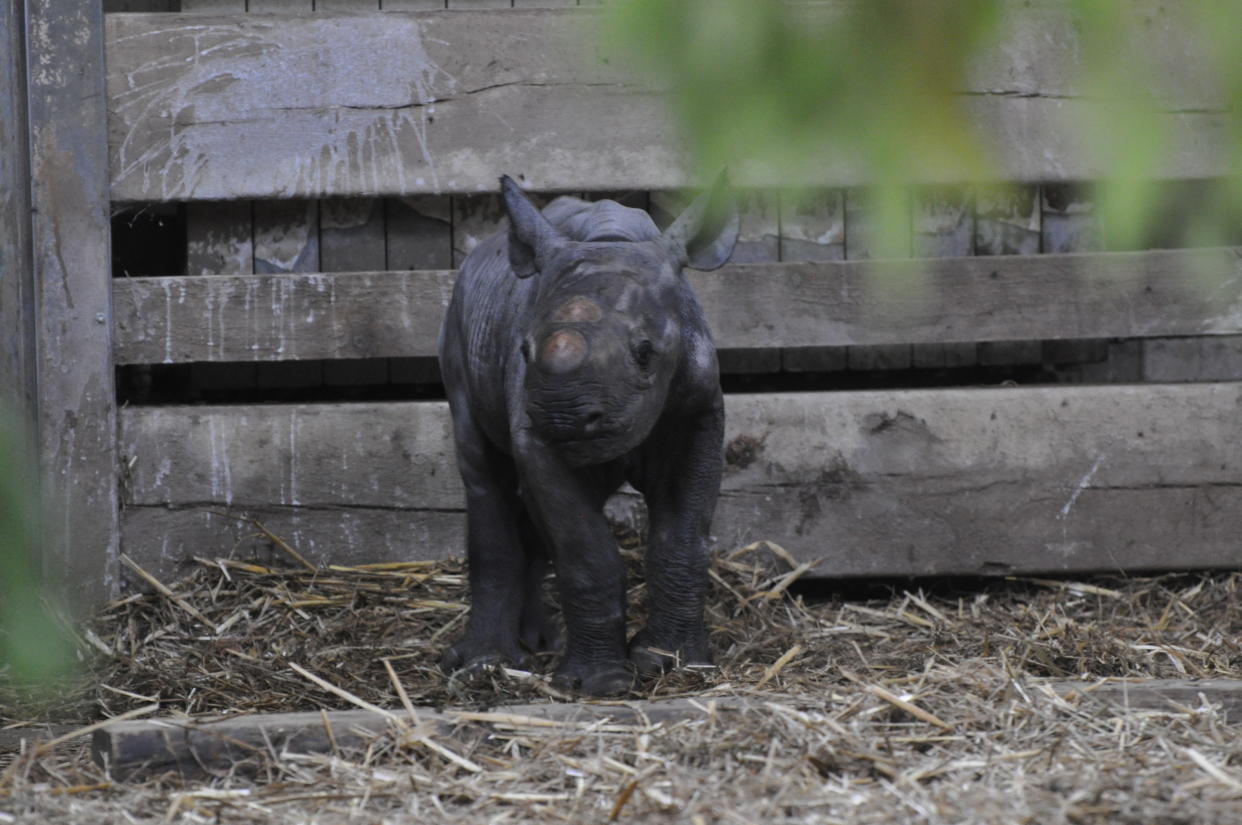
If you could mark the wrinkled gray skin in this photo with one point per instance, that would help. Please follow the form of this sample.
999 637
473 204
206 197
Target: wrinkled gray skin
576 357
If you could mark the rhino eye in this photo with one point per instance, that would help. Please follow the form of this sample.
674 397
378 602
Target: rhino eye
642 353
525 348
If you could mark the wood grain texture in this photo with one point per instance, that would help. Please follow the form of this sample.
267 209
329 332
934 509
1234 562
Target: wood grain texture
153 746
405 104
1008 222
17 308
942 225
150 747
896 483
166 540
862 230
812 228
212 6
71 242
219 238
280 317
845 303
419 233
351 235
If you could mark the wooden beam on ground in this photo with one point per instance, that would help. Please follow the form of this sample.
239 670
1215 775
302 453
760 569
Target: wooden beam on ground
149 747
1161 694
71 241
882 483
443 102
190 746
816 304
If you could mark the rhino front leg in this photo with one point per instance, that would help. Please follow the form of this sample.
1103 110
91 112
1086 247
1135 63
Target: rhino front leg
567 505
506 609
680 479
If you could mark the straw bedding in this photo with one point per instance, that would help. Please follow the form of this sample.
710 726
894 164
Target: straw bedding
894 704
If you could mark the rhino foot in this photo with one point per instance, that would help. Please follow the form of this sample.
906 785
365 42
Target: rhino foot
651 658
594 679
473 655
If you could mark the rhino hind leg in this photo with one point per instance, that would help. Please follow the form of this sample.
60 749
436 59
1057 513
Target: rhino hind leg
538 633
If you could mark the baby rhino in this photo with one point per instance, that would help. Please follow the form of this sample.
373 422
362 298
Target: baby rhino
576 358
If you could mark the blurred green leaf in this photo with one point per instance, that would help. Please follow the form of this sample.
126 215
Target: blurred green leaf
881 92
34 650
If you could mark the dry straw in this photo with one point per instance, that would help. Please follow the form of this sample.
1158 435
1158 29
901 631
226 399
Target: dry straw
901 705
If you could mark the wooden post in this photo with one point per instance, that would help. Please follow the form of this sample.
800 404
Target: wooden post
17 374
72 292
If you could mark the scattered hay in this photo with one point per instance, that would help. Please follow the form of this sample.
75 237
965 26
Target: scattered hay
914 705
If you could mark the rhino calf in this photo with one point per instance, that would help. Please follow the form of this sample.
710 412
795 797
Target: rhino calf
576 357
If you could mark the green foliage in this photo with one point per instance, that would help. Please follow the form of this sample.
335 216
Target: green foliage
34 650
880 92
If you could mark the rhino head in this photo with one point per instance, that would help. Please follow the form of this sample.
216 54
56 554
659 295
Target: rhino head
613 323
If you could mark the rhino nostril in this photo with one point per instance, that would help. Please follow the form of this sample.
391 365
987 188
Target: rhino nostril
593 421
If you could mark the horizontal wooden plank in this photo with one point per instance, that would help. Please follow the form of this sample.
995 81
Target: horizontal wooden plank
192 746
919 482
402 103
818 304
148 747
165 540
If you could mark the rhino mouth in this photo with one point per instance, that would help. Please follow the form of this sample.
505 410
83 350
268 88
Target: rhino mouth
594 449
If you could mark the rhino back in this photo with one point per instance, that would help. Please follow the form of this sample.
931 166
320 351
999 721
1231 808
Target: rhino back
600 220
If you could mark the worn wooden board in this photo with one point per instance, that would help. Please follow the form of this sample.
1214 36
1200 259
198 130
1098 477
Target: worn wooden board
861 235
17 307
404 103
418 233
280 317
71 242
1007 222
893 483
942 226
812 228
165 541
212 6
828 303
351 238
190 746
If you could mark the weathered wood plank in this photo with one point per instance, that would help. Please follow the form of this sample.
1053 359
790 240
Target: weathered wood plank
1008 223
212 6
475 218
397 314
190 746
419 233
942 226
165 541
153 746
862 231
351 239
897 483
403 104
17 307
1168 695
71 241
278 317
220 241
812 227
219 238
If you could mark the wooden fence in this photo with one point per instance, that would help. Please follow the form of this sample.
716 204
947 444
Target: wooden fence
335 165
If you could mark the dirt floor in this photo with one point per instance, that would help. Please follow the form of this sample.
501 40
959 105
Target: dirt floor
946 703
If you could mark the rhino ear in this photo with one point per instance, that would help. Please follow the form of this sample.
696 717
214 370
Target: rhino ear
532 240
703 236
